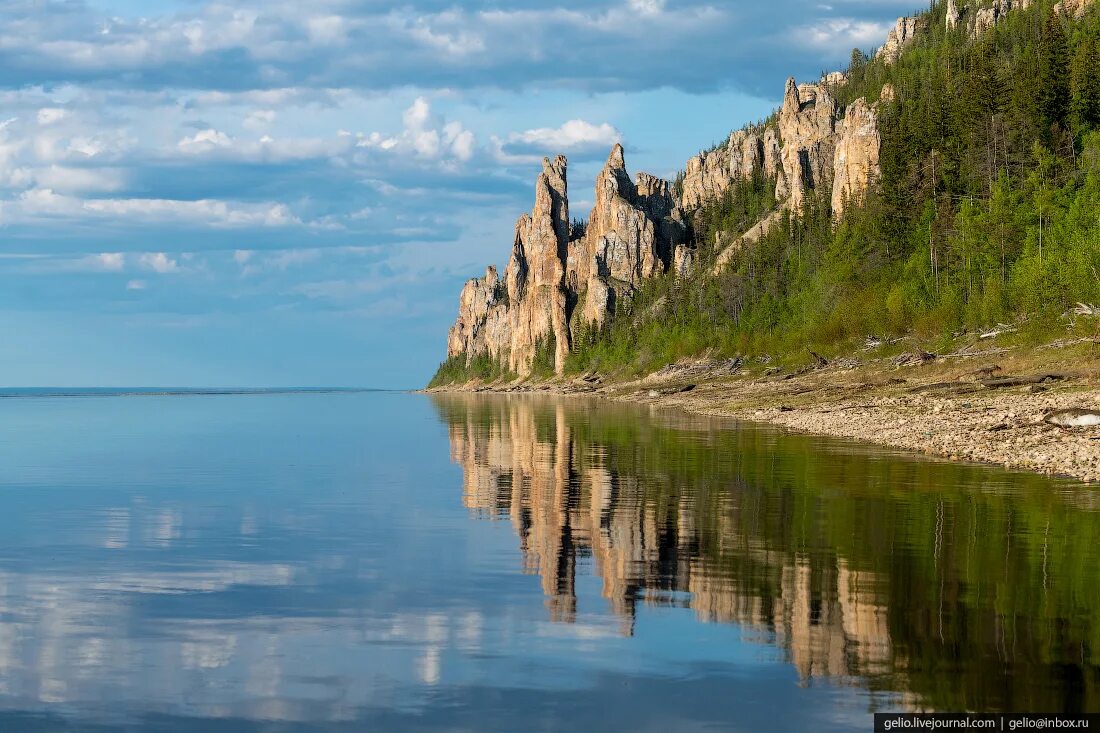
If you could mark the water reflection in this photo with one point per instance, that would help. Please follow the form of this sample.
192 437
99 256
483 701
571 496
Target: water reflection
955 587
309 563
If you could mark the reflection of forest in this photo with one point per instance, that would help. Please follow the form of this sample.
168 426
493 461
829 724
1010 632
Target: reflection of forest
921 578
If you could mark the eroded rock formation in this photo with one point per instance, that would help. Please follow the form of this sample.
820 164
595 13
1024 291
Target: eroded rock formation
709 174
535 276
900 36
856 158
632 233
558 281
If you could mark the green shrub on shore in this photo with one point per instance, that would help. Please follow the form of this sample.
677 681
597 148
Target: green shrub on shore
482 367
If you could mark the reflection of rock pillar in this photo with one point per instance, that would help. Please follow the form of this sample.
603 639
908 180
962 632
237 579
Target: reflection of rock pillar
559 569
864 620
522 481
817 639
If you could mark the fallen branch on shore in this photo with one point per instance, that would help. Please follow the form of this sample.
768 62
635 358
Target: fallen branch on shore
948 387
1001 328
963 354
1002 382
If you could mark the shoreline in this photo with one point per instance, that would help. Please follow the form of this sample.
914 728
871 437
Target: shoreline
983 407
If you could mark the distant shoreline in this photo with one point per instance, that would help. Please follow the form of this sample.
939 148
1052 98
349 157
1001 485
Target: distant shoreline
55 392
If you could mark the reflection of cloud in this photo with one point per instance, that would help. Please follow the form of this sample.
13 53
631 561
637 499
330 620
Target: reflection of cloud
218 576
429 666
118 529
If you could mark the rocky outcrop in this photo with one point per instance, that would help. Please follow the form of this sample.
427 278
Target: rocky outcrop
557 280
953 15
976 17
1072 8
987 17
482 326
535 277
632 232
807 122
754 234
901 35
856 159
709 174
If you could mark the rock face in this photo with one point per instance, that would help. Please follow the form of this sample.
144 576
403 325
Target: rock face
953 15
977 18
535 275
807 122
709 174
856 159
900 36
632 233
1072 8
482 326
986 18
558 280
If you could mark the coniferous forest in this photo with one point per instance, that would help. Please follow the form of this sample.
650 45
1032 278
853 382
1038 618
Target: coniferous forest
987 211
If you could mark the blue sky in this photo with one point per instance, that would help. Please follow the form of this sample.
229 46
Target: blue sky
275 193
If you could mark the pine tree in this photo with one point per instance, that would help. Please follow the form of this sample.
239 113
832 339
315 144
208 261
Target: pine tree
1053 73
1085 84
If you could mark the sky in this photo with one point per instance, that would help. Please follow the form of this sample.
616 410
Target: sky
278 193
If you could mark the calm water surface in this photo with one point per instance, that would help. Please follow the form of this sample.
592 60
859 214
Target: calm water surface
392 562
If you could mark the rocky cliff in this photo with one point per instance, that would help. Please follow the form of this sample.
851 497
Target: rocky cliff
557 277
559 281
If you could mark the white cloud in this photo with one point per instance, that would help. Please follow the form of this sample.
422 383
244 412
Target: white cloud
68 179
213 212
36 203
50 115
647 7
327 30
158 262
575 137
571 134
460 140
242 256
425 135
259 119
280 260
840 34
110 261
136 285
205 140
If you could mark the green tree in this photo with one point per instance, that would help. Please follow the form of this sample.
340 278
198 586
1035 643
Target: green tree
1085 86
1053 72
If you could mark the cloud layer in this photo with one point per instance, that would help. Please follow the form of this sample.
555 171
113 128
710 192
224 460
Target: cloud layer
338 168
596 46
